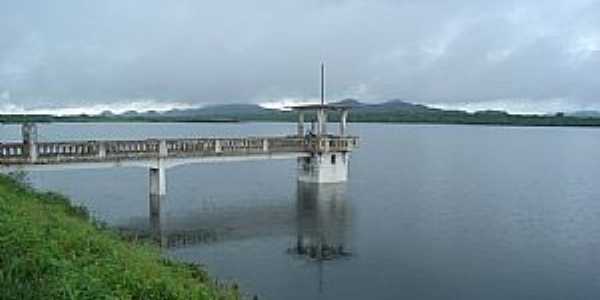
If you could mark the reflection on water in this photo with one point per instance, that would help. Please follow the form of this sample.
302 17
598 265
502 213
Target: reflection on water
158 218
322 221
321 218
210 226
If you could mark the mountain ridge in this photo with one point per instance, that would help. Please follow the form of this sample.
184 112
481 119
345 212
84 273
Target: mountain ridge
389 111
245 108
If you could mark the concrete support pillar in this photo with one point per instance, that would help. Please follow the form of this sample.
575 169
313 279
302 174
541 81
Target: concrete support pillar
158 183
157 202
30 140
326 167
265 145
343 122
301 123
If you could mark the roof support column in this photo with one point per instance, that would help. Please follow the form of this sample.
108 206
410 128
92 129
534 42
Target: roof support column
343 122
300 123
322 122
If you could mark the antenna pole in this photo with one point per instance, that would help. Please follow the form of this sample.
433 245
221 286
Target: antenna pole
322 84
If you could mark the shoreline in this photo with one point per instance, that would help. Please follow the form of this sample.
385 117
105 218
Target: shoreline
593 122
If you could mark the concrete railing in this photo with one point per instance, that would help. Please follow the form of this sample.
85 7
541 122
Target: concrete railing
12 150
89 151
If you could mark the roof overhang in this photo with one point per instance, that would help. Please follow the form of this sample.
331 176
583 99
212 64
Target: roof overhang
315 107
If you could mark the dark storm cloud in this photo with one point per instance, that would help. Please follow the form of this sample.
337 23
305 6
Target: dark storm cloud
57 53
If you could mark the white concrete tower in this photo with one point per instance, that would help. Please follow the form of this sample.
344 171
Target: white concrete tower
330 154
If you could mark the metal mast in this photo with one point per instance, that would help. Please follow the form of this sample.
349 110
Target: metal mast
322 84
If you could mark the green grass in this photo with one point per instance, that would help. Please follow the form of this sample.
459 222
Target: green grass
50 250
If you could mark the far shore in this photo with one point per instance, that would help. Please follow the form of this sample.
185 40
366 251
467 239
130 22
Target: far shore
473 119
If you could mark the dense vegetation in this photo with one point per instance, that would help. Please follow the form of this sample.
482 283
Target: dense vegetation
50 250
440 117
394 111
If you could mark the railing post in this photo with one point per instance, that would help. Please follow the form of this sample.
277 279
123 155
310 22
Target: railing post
326 148
101 150
218 148
163 151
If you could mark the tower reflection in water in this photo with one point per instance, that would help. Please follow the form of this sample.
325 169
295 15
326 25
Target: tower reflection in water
323 219
158 219
319 223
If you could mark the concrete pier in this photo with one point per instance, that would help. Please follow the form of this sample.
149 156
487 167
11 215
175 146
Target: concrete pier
157 202
322 157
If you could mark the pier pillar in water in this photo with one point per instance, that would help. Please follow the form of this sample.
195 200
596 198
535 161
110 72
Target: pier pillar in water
158 189
30 139
157 201
158 180
326 167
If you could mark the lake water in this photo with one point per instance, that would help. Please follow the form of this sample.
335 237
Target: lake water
429 212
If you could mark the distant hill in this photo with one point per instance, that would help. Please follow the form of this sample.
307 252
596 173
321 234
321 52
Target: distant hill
211 110
585 114
350 103
394 104
253 111
394 110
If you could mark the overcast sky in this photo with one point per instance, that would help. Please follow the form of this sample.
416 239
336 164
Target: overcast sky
518 55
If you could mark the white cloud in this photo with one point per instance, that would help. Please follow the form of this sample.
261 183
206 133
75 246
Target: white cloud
84 52
284 103
94 109
519 106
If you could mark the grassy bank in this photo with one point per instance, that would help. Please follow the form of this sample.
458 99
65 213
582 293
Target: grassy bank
50 250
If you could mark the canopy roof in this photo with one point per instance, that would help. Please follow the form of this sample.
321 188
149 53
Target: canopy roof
319 107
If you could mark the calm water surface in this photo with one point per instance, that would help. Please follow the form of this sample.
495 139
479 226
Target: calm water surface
429 212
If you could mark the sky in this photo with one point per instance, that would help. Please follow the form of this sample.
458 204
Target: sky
86 56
